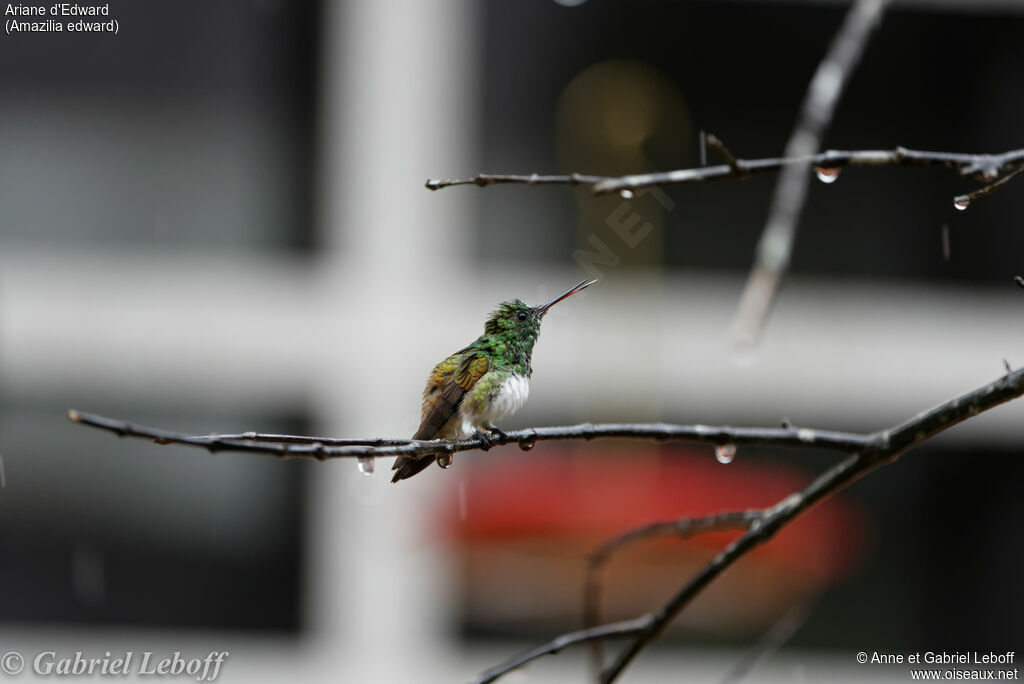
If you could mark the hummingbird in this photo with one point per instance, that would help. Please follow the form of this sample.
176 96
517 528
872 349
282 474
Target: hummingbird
480 384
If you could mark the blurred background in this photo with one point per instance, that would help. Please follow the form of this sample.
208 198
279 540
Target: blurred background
215 221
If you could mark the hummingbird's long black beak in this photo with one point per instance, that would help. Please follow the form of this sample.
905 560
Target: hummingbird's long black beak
543 308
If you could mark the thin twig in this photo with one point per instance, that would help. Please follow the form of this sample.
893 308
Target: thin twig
616 629
961 201
682 529
1019 280
881 448
772 640
776 244
484 179
326 447
298 439
977 166
719 146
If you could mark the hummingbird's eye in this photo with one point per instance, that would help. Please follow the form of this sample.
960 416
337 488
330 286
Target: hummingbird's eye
521 315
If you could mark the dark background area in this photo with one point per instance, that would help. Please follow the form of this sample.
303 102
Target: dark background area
148 537
192 129
930 79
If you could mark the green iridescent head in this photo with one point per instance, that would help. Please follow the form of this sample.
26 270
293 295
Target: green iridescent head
517 319
513 318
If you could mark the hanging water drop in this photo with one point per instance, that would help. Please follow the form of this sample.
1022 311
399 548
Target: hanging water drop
444 461
626 194
527 444
724 453
961 203
365 465
827 174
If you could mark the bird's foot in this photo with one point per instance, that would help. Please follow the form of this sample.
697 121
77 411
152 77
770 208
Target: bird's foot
497 435
485 437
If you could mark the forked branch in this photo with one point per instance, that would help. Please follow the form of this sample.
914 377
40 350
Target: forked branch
875 450
684 528
962 201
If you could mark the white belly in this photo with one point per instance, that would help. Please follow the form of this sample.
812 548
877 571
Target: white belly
511 397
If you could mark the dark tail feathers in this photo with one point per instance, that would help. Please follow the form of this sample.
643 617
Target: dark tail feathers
407 466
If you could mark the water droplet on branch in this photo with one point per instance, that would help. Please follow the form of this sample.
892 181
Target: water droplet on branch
961 203
365 465
626 194
527 444
725 453
444 461
827 174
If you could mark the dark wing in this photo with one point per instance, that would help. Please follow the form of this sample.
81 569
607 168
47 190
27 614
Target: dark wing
446 390
447 387
443 406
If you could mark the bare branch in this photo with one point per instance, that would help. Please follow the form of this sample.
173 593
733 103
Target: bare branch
719 146
879 449
962 201
326 447
978 166
485 179
885 448
1019 280
776 244
616 629
683 529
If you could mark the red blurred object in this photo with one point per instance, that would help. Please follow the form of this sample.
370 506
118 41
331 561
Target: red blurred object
523 525
602 496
